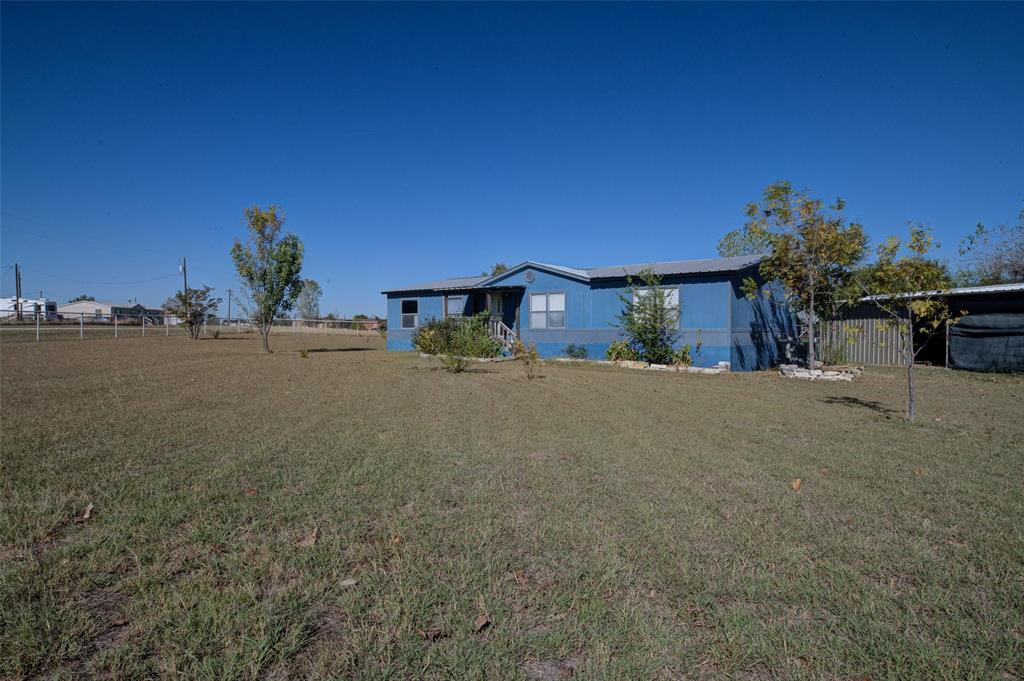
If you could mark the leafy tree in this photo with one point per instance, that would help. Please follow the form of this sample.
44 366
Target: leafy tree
496 269
903 269
81 298
309 300
745 242
813 251
192 307
649 319
994 256
360 317
269 267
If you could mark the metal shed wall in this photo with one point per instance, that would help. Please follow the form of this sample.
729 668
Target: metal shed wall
866 335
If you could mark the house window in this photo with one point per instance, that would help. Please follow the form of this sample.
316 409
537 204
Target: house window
671 297
410 311
547 310
455 305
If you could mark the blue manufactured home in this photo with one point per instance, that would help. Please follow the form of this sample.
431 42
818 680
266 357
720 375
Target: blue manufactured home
553 306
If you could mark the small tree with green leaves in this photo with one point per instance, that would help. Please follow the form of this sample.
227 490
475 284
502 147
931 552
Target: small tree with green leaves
308 305
269 267
81 298
812 251
496 269
649 318
192 307
903 269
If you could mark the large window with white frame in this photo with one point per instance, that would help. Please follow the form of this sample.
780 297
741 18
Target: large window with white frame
547 310
671 297
410 313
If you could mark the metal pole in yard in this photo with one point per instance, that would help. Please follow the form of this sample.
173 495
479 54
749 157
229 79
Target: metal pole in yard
37 326
167 326
143 327
81 326
115 326
947 343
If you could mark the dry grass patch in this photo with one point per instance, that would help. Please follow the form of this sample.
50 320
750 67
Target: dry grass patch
353 513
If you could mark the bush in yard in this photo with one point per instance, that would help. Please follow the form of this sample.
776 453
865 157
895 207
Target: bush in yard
527 355
649 318
455 364
192 307
427 337
681 357
573 351
466 337
621 351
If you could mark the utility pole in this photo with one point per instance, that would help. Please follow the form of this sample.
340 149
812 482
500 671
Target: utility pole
17 290
184 275
229 306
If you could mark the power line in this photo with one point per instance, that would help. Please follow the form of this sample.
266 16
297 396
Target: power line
99 244
97 241
100 283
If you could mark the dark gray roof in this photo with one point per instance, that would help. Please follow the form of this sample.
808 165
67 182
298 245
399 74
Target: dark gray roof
705 266
441 285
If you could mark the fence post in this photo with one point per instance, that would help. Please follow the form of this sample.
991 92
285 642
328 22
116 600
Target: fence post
143 326
947 343
115 326
81 326
37 327
167 326
204 328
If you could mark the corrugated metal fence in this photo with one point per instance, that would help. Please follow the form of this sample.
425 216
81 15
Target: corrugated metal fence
865 336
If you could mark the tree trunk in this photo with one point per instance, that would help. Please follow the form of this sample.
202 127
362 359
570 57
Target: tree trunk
265 332
810 332
911 403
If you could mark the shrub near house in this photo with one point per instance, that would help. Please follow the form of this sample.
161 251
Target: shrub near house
461 337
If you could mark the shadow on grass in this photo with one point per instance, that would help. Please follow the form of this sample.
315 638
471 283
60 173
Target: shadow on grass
341 350
873 405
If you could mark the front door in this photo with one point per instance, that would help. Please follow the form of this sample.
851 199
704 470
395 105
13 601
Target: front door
495 304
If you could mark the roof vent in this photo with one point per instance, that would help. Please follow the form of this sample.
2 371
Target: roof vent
529 276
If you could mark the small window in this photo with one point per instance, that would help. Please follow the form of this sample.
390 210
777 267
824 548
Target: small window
410 311
547 310
455 305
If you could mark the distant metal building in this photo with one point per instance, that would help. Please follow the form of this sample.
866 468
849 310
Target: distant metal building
988 337
103 311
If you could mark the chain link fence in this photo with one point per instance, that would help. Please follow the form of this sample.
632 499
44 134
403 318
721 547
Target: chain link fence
37 326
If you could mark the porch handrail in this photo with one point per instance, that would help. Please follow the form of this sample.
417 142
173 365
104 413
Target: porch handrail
502 333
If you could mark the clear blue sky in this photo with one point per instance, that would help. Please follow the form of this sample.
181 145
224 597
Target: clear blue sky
412 141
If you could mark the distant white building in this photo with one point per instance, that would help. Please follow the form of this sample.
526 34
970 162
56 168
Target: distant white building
101 311
29 306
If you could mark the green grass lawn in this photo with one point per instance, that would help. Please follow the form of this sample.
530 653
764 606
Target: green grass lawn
355 513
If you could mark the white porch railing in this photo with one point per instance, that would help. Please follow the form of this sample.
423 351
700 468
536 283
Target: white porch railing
501 333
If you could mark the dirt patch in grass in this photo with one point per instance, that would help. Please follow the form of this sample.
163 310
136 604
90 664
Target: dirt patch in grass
108 626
